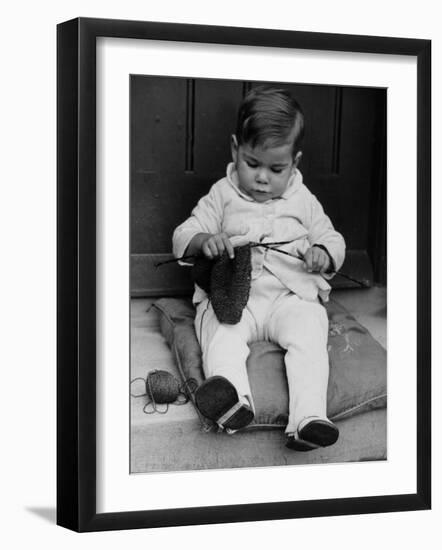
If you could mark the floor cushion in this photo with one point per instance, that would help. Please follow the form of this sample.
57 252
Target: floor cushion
357 381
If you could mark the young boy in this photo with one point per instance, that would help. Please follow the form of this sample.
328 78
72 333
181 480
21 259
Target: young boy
262 199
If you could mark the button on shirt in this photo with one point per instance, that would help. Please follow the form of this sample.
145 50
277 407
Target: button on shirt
295 216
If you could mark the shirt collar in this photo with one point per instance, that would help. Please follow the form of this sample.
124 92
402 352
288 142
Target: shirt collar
294 183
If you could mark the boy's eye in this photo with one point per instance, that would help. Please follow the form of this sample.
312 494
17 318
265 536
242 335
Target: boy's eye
277 170
252 164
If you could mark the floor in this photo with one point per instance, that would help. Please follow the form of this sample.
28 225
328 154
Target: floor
369 307
149 351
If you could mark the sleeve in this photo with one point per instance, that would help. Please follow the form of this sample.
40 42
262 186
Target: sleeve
206 217
323 234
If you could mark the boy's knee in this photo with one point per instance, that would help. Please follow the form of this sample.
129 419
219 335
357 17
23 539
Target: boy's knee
315 317
307 314
226 339
304 328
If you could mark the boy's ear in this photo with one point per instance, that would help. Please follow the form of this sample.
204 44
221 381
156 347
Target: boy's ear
234 147
297 159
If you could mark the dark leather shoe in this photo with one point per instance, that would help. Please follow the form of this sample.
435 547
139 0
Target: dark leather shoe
217 399
315 434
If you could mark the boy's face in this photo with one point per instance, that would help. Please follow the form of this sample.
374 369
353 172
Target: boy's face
264 172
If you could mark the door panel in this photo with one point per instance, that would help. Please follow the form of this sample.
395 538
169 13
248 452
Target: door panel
215 117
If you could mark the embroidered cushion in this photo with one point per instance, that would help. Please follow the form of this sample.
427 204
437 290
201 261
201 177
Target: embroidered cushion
357 381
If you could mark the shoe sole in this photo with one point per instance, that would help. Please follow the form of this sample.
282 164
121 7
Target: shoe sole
299 445
215 397
320 433
315 434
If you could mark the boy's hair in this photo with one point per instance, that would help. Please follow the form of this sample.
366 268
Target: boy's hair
269 116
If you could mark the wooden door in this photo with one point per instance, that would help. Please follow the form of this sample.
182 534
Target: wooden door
180 145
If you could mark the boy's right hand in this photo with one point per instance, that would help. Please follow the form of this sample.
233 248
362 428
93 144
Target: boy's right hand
214 245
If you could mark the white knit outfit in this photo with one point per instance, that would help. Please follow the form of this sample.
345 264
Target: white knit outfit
283 305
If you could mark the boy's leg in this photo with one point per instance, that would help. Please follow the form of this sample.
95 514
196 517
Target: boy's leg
301 328
224 348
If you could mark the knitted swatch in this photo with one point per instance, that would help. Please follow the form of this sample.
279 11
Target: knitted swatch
227 282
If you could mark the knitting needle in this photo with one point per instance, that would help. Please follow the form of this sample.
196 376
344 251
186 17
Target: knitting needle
269 247
189 257
192 256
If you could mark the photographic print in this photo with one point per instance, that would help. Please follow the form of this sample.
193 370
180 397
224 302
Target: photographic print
222 274
265 344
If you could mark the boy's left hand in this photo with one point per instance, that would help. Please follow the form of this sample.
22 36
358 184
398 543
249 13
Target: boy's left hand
316 259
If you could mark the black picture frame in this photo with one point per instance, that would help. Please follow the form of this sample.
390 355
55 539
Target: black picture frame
77 288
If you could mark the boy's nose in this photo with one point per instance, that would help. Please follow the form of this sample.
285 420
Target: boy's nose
261 177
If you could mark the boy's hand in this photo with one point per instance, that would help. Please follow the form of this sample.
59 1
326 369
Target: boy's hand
214 245
316 259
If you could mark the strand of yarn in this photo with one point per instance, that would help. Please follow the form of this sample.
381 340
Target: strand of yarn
187 389
155 408
139 394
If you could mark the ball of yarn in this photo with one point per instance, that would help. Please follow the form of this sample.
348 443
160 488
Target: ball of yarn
162 387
